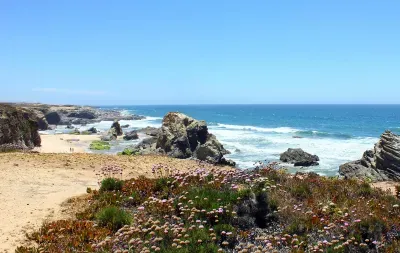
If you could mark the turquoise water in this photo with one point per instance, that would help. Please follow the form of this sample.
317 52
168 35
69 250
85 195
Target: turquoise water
336 133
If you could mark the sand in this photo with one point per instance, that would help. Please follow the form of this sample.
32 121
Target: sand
61 143
33 187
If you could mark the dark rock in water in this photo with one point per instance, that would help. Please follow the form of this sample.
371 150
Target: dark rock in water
152 131
53 118
138 117
238 150
181 136
381 163
69 127
125 126
298 157
305 163
117 128
132 135
18 128
83 114
297 137
92 130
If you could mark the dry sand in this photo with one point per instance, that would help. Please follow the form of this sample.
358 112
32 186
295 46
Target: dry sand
61 143
34 186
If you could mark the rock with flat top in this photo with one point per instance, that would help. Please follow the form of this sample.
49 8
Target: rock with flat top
298 157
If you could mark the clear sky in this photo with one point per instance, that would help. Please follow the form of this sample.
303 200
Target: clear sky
200 52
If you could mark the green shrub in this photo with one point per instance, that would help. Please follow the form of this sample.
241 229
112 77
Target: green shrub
111 184
86 133
113 218
301 190
128 151
100 145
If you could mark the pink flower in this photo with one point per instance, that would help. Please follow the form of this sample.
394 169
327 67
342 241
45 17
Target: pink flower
141 208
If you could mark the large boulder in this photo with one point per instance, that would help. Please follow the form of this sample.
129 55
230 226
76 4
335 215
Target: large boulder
53 118
131 135
18 128
381 163
298 157
92 130
117 128
181 136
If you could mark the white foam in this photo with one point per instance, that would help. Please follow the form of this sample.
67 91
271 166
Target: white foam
259 129
267 145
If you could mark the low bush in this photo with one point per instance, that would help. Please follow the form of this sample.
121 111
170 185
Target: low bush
111 184
113 218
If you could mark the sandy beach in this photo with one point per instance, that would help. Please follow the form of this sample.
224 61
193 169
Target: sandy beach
61 143
35 187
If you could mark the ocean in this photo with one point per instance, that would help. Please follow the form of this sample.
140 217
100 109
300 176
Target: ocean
336 133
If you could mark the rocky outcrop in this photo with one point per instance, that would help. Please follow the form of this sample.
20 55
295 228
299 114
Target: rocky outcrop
131 135
117 128
125 126
53 118
381 163
18 128
83 114
298 157
71 114
181 136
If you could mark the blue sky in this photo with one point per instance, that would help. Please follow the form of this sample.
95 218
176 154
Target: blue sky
200 52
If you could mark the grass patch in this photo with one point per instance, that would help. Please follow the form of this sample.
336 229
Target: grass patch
100 145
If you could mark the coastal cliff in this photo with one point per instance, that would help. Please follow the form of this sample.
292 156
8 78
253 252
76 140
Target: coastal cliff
49 115
18 129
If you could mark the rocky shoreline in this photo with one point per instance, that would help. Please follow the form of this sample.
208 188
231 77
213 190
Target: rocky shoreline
50 116
180 136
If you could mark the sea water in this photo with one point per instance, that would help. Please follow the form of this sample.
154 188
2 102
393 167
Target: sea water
336 133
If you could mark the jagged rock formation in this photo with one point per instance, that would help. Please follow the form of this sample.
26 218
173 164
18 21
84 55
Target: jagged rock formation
18 128
298 157
181 136
117 128
381 163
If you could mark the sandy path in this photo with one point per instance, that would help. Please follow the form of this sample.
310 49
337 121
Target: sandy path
33 186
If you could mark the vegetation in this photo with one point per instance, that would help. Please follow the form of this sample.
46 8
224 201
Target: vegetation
128 151
265 210
100 145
